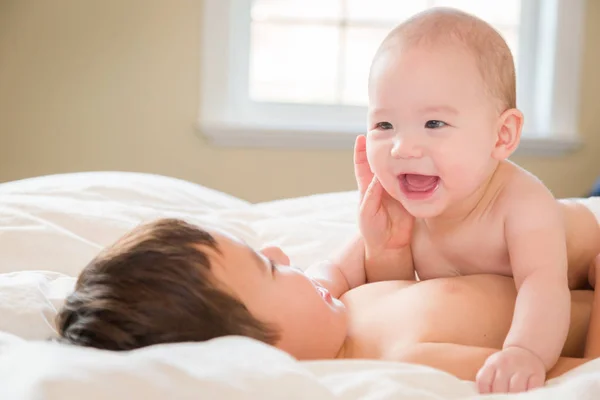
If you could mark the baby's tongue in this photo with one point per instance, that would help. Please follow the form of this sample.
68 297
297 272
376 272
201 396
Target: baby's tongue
421 183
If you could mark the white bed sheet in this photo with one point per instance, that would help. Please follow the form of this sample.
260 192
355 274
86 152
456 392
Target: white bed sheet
50 227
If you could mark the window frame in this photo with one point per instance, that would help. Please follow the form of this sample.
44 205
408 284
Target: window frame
550 48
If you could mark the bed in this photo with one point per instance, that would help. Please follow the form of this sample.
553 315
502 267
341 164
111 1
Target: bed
51 226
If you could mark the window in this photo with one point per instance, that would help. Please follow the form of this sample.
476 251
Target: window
319 52
293 73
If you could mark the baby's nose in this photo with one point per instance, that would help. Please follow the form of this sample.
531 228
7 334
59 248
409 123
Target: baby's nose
406 147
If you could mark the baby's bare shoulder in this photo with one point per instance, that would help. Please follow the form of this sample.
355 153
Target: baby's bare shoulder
521 190
524 196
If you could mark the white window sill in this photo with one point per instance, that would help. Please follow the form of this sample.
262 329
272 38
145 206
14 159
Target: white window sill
547 85
302 139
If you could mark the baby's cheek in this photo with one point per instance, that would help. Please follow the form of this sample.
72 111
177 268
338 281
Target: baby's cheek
377 157
372 148
391 184
464 175
379 160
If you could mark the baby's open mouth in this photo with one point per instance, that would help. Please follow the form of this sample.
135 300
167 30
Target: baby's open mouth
418 186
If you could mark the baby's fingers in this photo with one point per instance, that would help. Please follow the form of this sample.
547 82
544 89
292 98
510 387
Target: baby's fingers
536 381
518 382
501 380
485 378
371 202
362 170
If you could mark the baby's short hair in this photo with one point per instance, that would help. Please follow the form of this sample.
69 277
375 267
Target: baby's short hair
442 25
153 286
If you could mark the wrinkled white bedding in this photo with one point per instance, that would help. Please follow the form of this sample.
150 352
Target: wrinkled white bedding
50 227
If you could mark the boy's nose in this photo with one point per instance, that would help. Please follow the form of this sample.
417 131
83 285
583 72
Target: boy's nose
405 147
276 254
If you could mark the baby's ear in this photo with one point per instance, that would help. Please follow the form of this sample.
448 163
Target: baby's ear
508 133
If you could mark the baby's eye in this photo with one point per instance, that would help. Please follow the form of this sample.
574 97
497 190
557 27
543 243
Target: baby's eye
384 126
435 124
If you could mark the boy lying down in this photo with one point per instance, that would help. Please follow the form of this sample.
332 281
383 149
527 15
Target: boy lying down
169 281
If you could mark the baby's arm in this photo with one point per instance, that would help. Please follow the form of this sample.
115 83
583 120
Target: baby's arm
352 268
537 249
382 251
344 271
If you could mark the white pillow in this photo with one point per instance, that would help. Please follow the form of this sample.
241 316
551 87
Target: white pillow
29 301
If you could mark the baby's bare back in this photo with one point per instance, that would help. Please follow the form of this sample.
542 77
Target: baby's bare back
478 243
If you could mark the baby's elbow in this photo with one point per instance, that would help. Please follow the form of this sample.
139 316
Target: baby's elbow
554 281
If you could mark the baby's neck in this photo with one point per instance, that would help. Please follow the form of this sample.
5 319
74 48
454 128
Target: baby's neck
472 205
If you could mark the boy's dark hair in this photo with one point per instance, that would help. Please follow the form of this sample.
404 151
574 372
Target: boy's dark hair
154 286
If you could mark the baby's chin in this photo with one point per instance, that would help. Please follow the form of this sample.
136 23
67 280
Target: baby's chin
422 209
429 207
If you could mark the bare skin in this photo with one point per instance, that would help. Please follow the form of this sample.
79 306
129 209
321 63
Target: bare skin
465 360
394 320
442 123
443 157
451 246
452 324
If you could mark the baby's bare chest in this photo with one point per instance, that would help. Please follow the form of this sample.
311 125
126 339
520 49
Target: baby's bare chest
473 248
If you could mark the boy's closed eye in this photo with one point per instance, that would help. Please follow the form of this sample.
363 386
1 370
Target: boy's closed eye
275 268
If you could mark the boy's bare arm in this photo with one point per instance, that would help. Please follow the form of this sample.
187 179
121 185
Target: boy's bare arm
583 239
592 346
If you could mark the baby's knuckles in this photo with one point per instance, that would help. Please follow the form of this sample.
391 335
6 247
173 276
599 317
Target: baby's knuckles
512 362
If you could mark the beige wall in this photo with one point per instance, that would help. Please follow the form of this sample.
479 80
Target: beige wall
113 85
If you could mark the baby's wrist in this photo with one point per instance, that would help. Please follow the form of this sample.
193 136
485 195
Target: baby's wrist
527 350
375 253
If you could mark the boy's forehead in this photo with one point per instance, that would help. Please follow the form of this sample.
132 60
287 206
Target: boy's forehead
225 235
231 246
234 256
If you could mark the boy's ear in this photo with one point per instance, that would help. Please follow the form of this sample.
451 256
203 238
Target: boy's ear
508 133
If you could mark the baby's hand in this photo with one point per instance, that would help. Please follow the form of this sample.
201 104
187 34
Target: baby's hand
511 370
326 275
384 223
